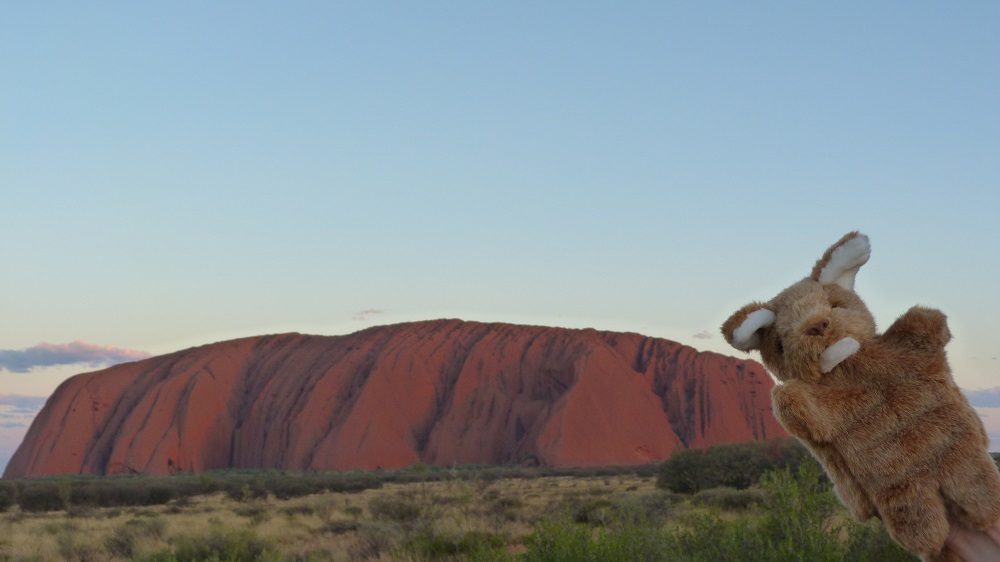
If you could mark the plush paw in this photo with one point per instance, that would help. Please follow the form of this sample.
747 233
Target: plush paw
921 326
796 408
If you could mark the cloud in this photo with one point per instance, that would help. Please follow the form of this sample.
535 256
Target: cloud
985 398
364 314
14 408
22 404
48 355
703 335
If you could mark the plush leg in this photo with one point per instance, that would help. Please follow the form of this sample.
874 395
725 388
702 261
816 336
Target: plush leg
915 516
972 490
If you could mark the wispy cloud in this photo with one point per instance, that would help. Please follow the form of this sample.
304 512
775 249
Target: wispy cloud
12 425
365 314
985 398
48 355
20 402
703 335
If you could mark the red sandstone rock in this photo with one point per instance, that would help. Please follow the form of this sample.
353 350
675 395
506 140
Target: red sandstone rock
442 392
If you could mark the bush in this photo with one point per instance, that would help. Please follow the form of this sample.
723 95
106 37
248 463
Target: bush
71 549
40 496
121 542
8 495
733 465
798 521
399 509
237 546
870 541
246 489
375 540
728 499
620 510
429 545
562 540
257 512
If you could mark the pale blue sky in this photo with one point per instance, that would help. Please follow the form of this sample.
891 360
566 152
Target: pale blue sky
177 174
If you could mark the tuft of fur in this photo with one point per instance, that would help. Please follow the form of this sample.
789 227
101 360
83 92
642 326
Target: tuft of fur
881 412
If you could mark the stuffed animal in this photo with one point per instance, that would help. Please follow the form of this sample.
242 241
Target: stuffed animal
880 412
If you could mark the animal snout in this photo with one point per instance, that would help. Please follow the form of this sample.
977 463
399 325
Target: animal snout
818 328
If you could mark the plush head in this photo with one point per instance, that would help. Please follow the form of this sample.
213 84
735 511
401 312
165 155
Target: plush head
812 326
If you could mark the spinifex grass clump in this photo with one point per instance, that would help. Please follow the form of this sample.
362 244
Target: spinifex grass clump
800 519
232 546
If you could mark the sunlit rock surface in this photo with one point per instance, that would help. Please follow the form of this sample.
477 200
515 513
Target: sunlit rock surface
443 392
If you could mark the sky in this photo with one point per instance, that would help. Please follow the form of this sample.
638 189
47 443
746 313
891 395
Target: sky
178 174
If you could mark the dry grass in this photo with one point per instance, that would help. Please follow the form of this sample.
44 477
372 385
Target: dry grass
369 525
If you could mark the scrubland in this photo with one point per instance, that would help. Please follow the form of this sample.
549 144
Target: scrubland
787 512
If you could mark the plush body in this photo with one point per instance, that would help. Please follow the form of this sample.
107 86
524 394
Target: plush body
881 412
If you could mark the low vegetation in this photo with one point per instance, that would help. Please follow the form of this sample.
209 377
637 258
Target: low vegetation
424 514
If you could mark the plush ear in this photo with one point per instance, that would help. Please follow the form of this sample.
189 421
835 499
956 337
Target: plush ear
841 262
742 329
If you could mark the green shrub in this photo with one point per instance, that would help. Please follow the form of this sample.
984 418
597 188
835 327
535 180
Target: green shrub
235 546
870 541
257 512
397 508
428 545
620 510
287 487
799 504
798 520
594 512
40 496
375 539
72 550
733 465
148 526
340 527
6 500
561 540
245 489
121 542
728 499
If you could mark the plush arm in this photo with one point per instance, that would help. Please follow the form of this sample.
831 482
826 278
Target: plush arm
820 413
792 417
920 328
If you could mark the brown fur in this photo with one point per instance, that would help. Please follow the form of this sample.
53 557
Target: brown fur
888 423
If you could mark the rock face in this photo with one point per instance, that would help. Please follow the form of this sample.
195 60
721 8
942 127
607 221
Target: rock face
442 392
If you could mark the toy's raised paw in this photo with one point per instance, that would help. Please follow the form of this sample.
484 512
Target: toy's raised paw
920 324
792 406
795 408
787 412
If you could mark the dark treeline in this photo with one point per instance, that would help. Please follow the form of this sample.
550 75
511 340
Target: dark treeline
737 465
68 492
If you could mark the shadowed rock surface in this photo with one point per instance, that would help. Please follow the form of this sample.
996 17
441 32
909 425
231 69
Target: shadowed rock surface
442 392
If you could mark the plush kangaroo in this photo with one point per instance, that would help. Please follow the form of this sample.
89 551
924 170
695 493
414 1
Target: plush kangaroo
881 412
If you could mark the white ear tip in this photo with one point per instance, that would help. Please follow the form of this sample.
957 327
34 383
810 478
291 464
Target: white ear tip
845 262
745 336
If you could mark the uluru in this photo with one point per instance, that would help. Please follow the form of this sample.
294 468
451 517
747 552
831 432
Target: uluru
443 392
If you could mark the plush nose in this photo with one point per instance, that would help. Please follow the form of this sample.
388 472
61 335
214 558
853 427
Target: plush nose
818 329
